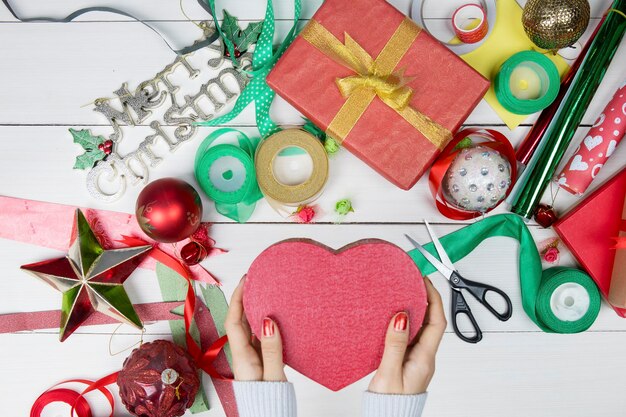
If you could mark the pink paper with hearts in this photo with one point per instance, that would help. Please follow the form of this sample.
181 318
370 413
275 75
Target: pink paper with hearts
333 307
597 146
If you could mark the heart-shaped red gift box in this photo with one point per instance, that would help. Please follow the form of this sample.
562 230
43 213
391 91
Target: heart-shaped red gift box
333 306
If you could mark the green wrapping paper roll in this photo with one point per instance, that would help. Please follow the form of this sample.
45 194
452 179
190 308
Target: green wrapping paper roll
562 128
511 84
568 301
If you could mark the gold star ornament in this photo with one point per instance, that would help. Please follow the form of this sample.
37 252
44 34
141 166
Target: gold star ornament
90 278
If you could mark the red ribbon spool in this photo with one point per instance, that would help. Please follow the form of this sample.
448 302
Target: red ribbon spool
492 139
469 12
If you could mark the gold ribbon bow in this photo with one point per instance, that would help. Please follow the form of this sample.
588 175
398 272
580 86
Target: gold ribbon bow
373 78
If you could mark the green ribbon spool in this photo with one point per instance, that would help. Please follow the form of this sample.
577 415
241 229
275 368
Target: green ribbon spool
558 296
542 68
227 175
535 284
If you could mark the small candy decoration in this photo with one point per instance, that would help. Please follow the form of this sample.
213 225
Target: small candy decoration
473 174
549 250
304 214
159 379
169 210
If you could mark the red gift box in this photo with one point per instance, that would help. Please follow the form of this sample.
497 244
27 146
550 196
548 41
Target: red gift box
589 231
444 88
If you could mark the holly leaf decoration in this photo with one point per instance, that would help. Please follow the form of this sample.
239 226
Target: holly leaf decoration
230 26
90 144
242 39
249 35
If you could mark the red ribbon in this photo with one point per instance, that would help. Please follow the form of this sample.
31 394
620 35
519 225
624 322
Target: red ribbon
492 139
620 243
204 360
79 404
36 320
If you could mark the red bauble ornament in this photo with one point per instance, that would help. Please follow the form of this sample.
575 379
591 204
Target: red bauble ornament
169 210
159 379
193 253
545 215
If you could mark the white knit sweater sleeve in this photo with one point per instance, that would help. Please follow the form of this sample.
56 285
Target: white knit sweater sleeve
265 399
387 405
278 399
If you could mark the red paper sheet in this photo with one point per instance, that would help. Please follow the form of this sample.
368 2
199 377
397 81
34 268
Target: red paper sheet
589 231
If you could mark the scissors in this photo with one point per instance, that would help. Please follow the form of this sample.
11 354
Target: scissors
458 283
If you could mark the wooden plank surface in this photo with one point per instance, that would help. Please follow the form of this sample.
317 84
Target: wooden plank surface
49 70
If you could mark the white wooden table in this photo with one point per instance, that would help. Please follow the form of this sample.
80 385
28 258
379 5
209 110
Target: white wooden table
49 70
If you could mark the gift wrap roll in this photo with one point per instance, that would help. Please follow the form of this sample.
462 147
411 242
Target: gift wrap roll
226 174
530 144
568 300
280 194
617 291
527 83
562 128
597 146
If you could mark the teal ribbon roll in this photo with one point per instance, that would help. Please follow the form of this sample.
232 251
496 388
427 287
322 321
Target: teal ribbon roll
568 300
514 83
227 175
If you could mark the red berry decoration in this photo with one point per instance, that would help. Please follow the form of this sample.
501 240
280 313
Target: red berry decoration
169 210
158 379
545 216
193 253
237 52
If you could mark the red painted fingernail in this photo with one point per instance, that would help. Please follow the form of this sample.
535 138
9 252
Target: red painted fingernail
268 327
400 322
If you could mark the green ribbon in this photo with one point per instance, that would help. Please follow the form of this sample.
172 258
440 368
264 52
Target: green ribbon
551 280
232 184
462 242
218 308
263 60
174 288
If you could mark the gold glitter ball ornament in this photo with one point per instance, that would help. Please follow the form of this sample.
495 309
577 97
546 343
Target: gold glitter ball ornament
555 24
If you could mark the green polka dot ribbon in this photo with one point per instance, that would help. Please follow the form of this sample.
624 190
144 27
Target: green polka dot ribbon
263 60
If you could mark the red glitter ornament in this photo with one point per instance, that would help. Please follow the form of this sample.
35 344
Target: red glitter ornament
159 379
545 216
169 210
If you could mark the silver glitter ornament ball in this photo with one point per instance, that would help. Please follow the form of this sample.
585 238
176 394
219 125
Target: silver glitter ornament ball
477 179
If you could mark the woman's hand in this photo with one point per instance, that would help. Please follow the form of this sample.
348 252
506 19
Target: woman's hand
402 372
253 361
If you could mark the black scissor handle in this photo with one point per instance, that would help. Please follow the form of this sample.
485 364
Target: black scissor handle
480 291
459 306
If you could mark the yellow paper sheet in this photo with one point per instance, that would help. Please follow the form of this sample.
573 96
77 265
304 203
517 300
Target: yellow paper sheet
507 38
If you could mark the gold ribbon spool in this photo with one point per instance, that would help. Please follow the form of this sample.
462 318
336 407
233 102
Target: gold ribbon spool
291 195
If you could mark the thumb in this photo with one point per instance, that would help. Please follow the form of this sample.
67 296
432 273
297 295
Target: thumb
272 352
396 343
